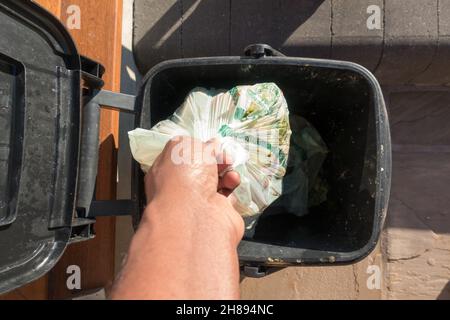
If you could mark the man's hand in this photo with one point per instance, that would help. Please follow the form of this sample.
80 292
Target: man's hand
186 245
186 175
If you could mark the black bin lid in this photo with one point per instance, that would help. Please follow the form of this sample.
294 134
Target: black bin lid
39 140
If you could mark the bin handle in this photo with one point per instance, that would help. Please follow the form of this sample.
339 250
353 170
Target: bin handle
94 98
261 50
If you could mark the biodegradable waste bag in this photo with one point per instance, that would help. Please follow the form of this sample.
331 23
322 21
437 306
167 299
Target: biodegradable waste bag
303 185
252 125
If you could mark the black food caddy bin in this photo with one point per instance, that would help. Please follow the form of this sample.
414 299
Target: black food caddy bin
50 100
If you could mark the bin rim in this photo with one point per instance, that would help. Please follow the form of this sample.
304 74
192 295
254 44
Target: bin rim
383 138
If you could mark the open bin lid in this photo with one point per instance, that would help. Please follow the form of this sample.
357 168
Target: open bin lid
39 140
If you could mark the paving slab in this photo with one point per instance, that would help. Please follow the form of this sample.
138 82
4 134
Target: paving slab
438 72
157 32
205 28
352 39
410 40
305 28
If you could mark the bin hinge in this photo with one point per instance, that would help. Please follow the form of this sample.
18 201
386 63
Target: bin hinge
93 100
83 223
92 73
109 208
261 50
258 271
254 271
82 230
122 102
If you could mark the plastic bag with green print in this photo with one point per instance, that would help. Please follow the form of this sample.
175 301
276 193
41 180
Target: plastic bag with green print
252 125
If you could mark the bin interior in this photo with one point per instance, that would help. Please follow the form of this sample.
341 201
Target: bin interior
340 104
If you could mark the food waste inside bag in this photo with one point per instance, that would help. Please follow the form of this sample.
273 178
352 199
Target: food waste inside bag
252 125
